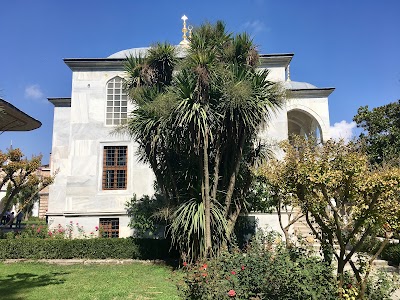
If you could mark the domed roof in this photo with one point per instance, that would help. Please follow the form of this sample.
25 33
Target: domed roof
127 52
181 52
298 85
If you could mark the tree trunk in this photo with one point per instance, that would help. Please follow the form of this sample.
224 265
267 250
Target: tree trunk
207 200
340 277
368 271
232 181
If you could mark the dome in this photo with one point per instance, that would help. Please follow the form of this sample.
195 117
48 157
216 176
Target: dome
181 52
297 85
127 52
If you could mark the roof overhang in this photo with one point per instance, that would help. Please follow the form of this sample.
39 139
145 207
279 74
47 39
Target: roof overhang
94 64
60 102
275 60
13 119
310 93
89 64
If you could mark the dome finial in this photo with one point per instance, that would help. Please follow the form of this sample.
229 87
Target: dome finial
288 73
185 41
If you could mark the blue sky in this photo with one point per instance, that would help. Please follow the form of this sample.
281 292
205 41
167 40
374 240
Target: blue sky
353 46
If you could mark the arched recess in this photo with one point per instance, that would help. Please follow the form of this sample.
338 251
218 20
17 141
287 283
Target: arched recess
302 123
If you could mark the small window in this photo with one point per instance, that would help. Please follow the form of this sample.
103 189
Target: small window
109 228
114 167
115 106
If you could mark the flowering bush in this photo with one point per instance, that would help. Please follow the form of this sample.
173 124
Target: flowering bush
41 231
33 231
263 271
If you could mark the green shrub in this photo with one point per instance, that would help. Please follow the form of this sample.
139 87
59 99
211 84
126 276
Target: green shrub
382 286
98 248
370 245
260 272
391 253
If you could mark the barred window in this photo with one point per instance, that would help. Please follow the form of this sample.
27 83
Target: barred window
109 228
114 167
117 102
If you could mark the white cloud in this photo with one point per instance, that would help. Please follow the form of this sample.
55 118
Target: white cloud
255 26
33 91
342 130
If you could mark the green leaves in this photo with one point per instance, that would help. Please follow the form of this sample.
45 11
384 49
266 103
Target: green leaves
197 126
381 134
337 188
188 227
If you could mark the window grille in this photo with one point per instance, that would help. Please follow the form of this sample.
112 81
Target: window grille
109 228
114 167
117 102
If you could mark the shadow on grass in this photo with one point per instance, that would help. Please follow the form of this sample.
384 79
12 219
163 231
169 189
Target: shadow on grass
15 285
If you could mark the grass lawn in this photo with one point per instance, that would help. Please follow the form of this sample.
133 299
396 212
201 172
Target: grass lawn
46 281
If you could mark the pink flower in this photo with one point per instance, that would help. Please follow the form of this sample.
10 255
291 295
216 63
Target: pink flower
204 267
232 293
50 233
184 263
70 222
243 267
92 233
38 230
77 223
97 228
233 272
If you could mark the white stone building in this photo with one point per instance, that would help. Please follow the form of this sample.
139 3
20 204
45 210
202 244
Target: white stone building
98 171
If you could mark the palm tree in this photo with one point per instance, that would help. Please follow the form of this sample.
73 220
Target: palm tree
197 127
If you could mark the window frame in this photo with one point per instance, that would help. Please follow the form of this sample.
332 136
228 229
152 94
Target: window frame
115 162
116 106
109 227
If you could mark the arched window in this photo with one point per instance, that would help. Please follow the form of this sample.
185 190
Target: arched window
117 102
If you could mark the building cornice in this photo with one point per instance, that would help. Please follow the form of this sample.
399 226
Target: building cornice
87 64
86 213
310 93
275 60
60 102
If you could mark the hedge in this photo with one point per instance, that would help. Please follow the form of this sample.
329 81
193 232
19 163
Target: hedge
99 248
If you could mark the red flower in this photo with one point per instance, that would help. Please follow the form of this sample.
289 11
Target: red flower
233 272
204 267
184 263
243 267
232 293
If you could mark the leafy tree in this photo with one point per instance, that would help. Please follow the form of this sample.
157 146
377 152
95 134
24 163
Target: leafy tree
24 194
381 134
196 122
19 175
344 199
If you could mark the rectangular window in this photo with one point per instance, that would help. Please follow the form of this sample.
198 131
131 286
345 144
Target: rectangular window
114 167
109 228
